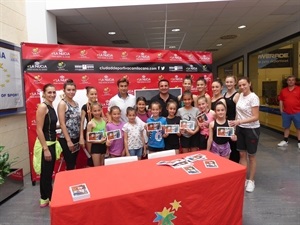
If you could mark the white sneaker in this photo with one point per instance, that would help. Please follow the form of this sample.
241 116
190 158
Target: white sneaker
283 144
299 145
246 182
250 186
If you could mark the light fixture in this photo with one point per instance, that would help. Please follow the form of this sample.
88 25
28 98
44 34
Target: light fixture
175 30
242 27
172 46
219 45
111 32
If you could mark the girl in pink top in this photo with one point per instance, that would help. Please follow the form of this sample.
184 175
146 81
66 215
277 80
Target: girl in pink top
204 118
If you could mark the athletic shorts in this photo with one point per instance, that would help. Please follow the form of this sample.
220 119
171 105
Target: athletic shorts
98 149
203 142
191 142
221 150
247 139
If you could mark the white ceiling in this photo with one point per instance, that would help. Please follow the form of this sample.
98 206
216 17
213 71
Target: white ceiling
201 24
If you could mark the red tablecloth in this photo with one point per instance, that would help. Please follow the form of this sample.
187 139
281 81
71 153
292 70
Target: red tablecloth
138 193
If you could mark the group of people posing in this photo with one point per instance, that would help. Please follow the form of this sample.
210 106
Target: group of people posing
130 115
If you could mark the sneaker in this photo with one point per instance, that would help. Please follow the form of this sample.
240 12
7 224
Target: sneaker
250 186
44 203
246 182
299 145
283 144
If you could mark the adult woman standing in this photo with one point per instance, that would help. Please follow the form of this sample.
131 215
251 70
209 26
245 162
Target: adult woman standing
231 97
247 128
69 120
187 86
216 87
46 120
86 116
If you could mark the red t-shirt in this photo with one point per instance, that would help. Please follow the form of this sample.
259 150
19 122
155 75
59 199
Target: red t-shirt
290 100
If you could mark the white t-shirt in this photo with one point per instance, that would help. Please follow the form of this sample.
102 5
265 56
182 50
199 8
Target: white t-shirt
123 104
244 109
134 135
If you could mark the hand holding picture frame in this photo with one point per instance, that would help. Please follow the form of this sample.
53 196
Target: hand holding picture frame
95 136
154 126
172 129
225 131
114 134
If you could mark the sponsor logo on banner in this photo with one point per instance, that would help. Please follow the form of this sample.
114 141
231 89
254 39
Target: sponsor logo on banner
191 57
84 67
14 57
84 79
60 80
176 79
160 56
204 68
106 80
105 55
37 79
36 52
142 56
124 55
175 57
175 68
191 69
83 53
61 66
105 105
37 66
143 79
131 92
205 59
106 91
161 68
60 53
161 77
35 94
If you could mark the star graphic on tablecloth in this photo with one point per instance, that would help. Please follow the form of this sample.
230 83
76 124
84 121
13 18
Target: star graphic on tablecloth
166 216
175 205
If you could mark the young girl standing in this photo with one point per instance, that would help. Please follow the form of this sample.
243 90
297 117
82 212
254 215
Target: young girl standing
156 139
190 137
86 116
141 111
115 148
216 87
201 87
133 135
207 115
187 86
69 120
97 124
216 144
172 140
231 97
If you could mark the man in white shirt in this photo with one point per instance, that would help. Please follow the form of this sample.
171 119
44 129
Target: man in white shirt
123 99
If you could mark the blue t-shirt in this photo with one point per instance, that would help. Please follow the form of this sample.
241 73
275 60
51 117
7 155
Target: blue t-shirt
156 139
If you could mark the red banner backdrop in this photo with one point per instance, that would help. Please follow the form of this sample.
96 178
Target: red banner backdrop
101 67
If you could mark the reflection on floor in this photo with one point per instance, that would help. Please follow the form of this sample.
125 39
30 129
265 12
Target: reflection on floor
275 200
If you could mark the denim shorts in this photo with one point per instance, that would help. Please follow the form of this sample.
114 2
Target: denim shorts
288 118
138 152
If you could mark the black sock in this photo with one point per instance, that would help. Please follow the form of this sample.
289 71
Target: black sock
286 139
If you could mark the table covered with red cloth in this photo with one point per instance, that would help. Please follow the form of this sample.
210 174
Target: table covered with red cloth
142 192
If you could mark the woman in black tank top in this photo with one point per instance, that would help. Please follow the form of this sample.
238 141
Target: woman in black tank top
217 95
46 120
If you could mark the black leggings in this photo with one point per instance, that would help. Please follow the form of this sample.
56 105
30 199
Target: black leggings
47 168
69 157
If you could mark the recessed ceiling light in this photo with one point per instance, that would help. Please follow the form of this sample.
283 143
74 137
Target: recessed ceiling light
176 30
242 27
219 44
111 33
172 46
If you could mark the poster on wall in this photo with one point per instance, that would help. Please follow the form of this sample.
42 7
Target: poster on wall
278 58
11 82
102 67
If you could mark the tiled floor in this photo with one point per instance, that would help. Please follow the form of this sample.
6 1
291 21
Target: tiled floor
275 201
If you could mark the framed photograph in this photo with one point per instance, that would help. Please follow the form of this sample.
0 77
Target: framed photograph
172 129
202 117
185 124
154 126
225 131
95 136
114 134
